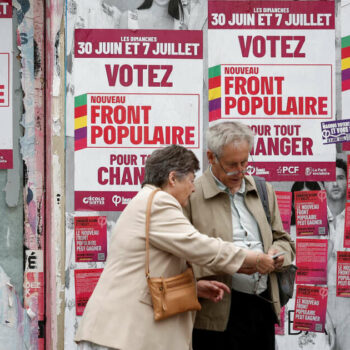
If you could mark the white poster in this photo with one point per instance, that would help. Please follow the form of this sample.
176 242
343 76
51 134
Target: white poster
134 92
6 142
266 70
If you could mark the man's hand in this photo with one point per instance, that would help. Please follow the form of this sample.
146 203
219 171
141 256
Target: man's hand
212 290
278 262
264 263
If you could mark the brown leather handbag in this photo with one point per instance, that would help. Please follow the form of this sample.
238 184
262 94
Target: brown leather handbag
172 295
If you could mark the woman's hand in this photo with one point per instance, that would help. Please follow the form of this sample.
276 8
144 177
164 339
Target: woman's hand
212 290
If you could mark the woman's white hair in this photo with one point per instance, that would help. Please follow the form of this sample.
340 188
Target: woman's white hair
224 133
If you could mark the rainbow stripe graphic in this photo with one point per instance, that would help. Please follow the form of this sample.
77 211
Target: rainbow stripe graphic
345 63
214 93
80 122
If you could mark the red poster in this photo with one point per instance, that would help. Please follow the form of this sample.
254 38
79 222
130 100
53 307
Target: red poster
348 180
279 329
310 308
85 282
343 274
311 213
347 226
311 260
34 289
90 238
284 200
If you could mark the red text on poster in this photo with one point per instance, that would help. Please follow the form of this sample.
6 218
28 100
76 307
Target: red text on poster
284 200
343 274
311 213
311 260
90 238
310 308
347 226
85 283
348 180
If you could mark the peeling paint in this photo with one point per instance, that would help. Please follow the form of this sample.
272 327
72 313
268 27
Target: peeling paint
14 322
30 32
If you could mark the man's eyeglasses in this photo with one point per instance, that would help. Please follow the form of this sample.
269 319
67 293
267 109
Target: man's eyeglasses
230 173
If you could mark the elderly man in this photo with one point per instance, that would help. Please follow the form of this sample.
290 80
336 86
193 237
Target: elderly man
226 205
338 321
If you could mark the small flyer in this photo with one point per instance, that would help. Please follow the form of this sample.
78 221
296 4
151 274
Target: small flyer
311 260
279 329
347 226
284 200
310 308
348 180
343 274
85 282
311 213
336 131
90 234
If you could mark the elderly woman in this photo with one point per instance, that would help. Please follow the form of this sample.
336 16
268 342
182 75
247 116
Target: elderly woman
155 14
119 314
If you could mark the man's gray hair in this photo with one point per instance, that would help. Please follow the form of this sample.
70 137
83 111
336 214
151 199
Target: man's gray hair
222 134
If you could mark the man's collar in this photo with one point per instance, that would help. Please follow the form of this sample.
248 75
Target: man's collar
330 216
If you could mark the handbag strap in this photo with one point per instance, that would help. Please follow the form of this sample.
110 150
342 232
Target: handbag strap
148 218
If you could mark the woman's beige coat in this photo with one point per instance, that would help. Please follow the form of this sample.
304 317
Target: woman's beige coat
119 313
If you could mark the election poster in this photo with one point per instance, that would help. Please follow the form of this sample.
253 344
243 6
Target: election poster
347 226
6 50
284 200
266 70
85 281
311 213
311 260
90 238
343 274
310 308
348 179
135 91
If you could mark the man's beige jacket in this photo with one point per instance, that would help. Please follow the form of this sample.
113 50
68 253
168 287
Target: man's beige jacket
209 210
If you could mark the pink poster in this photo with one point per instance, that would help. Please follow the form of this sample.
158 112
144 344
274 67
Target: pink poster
343 274
311 213
311 260
284 200
310 308
279 328
90 238
347 226
348 180
85 283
